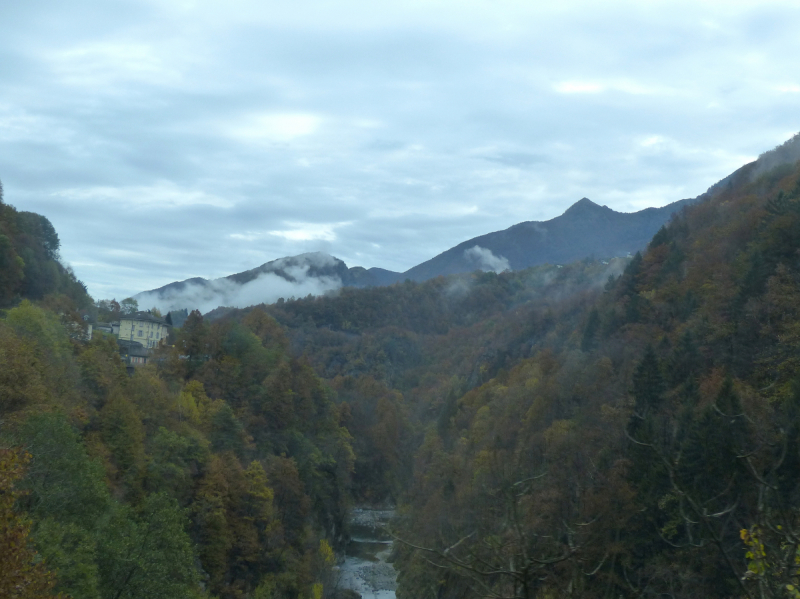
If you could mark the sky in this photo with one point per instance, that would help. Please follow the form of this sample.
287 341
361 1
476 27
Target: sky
174 139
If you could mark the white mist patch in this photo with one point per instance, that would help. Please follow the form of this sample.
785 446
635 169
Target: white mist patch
485 259
458 287
267 288
786 153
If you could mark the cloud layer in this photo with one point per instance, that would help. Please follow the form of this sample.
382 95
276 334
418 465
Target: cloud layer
266 288
291 277
202 138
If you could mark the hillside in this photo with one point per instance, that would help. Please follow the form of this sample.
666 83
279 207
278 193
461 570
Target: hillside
292 276
650 444
221 471
604 428
29 261
556 432
584 230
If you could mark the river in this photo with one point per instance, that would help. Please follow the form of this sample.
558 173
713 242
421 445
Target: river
365 569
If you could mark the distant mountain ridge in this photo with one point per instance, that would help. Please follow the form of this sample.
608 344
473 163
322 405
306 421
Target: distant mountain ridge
293 269
584 230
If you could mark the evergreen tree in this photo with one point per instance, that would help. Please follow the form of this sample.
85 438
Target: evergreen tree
648 385
589 340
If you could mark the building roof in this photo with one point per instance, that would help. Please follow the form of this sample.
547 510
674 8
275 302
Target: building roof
144 316
132 348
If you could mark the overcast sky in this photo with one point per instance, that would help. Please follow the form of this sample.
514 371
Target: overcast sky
168 139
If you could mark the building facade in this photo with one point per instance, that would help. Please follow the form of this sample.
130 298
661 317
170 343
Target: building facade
144 328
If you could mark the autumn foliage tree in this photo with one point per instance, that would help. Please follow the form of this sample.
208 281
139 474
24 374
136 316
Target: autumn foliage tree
22 574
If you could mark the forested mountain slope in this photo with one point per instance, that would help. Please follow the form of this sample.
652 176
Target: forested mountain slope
649 449
629 429
559 433
29 266
222 470
223 473
584 230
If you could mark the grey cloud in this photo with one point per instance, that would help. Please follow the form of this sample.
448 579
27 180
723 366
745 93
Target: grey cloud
419 120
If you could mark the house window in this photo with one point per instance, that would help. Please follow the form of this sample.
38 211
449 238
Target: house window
140 333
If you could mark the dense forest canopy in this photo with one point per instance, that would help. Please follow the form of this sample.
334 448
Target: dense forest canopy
222 472
623 428
225 474
593 430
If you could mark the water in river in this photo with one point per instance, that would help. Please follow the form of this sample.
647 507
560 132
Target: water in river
365 569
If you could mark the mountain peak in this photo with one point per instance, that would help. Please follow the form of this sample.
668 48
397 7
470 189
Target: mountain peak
585 206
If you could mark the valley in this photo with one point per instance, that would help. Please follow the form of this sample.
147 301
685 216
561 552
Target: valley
613 426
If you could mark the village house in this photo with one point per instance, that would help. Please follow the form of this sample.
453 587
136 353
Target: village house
143 327
133 354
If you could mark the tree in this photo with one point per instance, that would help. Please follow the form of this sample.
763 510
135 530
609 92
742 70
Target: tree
227 433
71 551
12 270
174 458
22 383
123 434
129 305
193 341
102 370
773 536
40 228
648 385
147 554
503 556
63 482
22 575
67 497
690 481
589 340
266 328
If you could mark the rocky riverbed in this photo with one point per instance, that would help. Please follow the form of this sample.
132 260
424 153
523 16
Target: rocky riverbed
365 569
